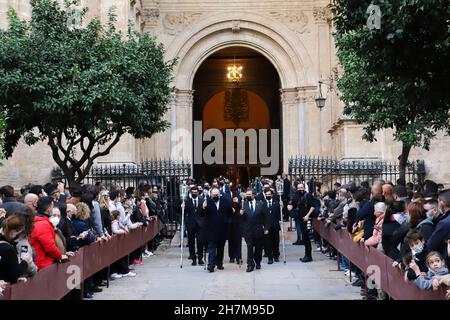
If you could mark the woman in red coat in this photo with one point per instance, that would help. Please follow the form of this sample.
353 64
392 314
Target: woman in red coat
43 236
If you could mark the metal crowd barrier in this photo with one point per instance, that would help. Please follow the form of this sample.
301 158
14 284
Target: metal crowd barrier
57 280
391 279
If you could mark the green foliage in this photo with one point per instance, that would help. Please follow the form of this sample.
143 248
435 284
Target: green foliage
79 87
2 128
396 77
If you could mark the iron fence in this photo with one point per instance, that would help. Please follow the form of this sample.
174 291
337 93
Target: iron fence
165 173
329 171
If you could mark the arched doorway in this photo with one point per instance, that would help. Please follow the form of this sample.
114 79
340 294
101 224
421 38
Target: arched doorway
252 103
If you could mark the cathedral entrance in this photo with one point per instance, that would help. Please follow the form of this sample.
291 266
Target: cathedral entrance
237 98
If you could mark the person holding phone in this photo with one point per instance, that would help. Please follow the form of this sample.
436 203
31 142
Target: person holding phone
10 268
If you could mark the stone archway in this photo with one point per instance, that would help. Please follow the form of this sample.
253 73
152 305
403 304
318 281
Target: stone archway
265 36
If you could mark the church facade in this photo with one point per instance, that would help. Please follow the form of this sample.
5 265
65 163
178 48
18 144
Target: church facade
284 48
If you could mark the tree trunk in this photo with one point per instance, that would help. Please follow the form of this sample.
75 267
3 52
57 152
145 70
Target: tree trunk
403 160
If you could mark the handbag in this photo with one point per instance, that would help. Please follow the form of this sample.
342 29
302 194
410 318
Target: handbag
358 235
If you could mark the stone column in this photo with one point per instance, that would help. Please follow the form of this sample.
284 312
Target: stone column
291 124
182 135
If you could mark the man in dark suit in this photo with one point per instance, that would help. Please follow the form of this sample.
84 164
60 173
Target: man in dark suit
195 224
217 211
273 216
253 221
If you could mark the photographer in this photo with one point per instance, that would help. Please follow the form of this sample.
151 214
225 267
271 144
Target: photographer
301 208
10 268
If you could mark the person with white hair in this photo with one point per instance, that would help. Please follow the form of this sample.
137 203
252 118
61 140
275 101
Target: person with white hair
379 211
30 200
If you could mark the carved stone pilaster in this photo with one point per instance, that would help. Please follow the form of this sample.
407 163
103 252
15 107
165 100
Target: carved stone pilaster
322 15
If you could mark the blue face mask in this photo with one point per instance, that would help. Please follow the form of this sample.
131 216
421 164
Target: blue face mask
417 250
430 215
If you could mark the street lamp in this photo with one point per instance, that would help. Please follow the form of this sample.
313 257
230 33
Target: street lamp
320 100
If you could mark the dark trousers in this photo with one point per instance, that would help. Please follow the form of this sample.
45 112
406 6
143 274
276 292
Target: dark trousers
196 233
272 244
120 266
215 252
306 240
254 250
235 245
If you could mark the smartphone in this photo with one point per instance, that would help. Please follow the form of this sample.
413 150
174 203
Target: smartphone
23 251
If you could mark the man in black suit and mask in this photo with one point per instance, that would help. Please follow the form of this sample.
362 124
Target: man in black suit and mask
273 216
195 224
253 215
217 211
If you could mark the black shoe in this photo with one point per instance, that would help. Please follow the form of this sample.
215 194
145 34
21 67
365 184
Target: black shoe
96 289
231 260
239 261
358 283
88 296
103 284
306 259
220 267
276 259
250 268
211 268
270 261
194 263
258 266
200 262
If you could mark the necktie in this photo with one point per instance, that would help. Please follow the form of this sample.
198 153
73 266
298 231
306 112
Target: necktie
251 206
195 203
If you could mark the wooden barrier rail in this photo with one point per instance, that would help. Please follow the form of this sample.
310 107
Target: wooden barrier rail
391 279
57 280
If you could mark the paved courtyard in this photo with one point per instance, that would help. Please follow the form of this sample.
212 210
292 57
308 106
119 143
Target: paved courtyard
161 278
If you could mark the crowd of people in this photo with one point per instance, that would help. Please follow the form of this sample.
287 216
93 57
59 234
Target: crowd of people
46 224
409 223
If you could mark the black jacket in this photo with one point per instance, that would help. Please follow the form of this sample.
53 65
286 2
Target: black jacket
254 224
106 220
273 216
387 239
216 220
192 215
301 203
10 268
70 234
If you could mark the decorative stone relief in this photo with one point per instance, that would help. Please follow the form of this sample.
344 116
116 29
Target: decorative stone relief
297 21
322 14
150 16
174 23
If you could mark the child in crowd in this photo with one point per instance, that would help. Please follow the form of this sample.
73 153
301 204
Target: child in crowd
414 240
444 280
116 226
436 267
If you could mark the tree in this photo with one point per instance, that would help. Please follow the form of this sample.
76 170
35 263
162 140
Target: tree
79 89
2 129
396 76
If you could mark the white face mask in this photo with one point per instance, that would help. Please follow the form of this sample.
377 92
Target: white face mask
54 220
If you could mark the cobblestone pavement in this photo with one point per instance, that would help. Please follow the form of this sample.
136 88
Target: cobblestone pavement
161 278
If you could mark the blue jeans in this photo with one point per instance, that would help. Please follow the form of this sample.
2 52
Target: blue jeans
298 229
